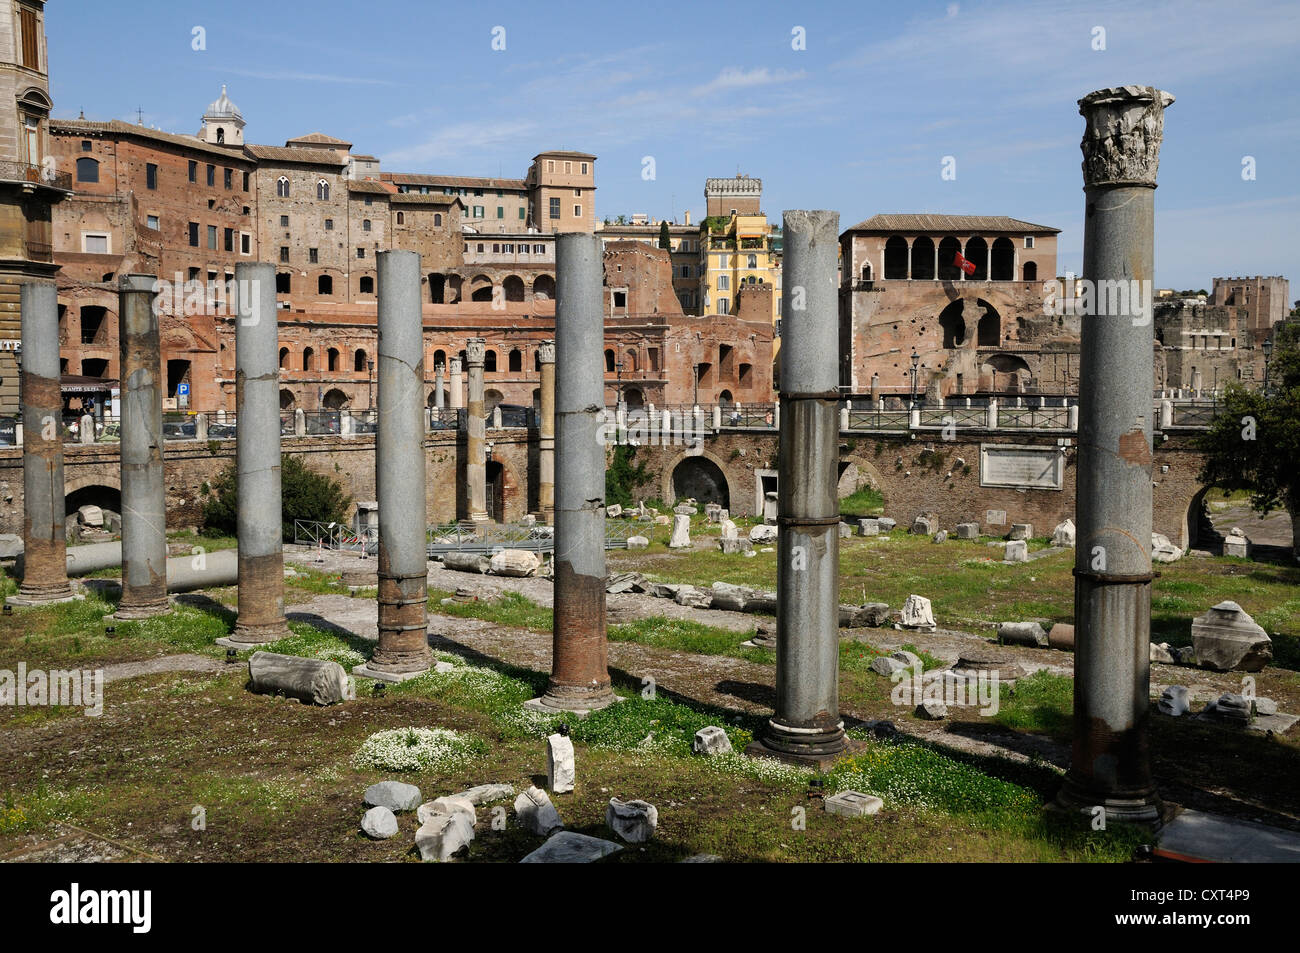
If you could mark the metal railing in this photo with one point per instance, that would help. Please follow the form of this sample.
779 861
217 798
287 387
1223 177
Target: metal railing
11 171
1034 418
335 536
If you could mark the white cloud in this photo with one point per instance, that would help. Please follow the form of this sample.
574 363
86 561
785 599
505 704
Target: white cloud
734 77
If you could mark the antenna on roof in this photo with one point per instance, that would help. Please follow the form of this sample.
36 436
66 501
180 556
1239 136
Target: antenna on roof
139 115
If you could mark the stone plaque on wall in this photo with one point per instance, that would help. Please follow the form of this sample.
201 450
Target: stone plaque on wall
1021 468
995 517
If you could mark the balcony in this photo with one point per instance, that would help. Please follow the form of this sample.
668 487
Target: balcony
24 172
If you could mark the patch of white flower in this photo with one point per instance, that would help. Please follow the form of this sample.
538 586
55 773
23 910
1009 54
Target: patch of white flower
414 749
758 769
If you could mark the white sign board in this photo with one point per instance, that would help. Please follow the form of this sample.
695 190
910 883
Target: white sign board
1021 468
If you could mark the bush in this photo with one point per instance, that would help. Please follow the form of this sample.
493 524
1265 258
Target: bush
622 478
304 495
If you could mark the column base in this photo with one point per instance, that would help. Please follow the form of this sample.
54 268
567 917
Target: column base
136 613
818 747
479 518
1144 809
572 704
368 670
39 597
247 634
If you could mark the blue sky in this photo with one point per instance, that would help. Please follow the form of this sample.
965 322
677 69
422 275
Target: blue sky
859 121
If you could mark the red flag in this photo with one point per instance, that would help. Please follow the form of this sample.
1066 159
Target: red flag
964 264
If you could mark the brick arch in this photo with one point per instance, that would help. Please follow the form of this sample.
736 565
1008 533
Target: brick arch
110 480
666 492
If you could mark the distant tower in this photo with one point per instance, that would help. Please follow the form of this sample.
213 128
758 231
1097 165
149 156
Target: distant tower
223 123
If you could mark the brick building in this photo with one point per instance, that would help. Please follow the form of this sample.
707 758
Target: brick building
29 185
684 248
189 208
903 292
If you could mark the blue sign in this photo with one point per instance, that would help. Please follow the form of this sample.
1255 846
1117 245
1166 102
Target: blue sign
182 390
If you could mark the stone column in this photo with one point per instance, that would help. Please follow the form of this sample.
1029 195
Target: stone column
257 458
546 434
45 573
579 661
438 401
144 502
403 648
806 725
1110 764
476 460
457 387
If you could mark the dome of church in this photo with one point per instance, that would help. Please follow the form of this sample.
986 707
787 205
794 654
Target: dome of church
223 108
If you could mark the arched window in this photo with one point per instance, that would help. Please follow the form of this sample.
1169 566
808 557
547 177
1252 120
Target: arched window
516 360
282 187
1031 271
221 136
87 169
1002 264
977 253
922 259
630 363
367 285
284 358
332 359
537 360
325 285
282 282
896 257
308 359
609 362
437 219
439 358
322 191
401 218
949 249
753 261
490 362
359 361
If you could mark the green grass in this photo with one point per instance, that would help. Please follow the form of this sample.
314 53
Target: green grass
683 635
1042 703
510 608
865 501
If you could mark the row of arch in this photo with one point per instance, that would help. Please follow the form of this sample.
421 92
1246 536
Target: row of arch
333 358
922 260
322 189
324 284
452 289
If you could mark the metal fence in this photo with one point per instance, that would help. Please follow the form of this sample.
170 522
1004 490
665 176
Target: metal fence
1034 418
335 536
878 419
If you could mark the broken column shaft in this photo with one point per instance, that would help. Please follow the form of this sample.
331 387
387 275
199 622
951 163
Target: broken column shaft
144 501
400 473
1110 763
579 664
45 576
476 427
457 394
546 433
438 383
257 457
806 724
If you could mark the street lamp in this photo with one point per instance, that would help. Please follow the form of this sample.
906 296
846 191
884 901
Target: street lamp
370 373
696 401
618 386
916 361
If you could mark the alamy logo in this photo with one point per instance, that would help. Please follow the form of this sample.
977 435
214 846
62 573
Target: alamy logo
57 687
73 906
1106 298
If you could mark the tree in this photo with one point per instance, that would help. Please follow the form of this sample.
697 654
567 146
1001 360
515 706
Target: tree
304 495
1254 442
665 240
622 478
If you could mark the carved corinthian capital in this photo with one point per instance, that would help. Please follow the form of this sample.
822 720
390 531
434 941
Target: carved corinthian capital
546 352
1121 140
475 348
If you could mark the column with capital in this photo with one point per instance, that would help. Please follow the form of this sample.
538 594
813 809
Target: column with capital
1110 762
546 433
476 427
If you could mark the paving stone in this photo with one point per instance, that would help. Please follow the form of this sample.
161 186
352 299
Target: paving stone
394 795
379 823
853 804
570 847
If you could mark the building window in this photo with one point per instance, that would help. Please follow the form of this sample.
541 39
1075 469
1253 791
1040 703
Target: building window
401 218
555 208
313 256
478 211
284 253
724 283
284 221
361 253
31 39
329 224
539 249
753 261
152 220
87 170
228 239
568 168
194 234
245 181
437 219
367 285
577 193
501 211
212 237
724 306
365 226
85 145
577 211
584 168
282 187
245 243
322 191
194 171
95 243
550 165
521 212
151 176
325 285
1029 241
228 179
369 200
212 175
